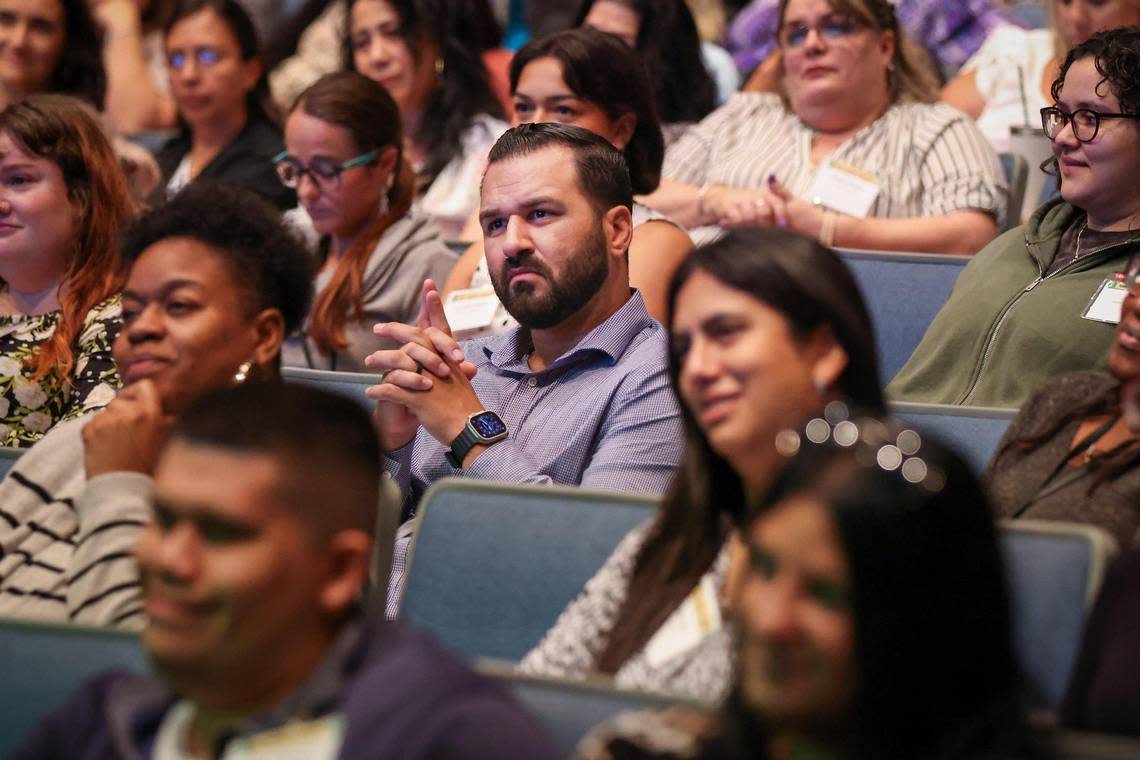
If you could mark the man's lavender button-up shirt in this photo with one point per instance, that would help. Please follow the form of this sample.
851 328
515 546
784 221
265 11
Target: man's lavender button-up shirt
602 415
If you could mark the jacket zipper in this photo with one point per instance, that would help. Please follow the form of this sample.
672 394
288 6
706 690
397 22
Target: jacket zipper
1009 307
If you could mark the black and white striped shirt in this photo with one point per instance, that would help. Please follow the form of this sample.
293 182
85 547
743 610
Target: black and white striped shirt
66 541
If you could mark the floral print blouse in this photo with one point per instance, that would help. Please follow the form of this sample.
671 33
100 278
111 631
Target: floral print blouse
29 408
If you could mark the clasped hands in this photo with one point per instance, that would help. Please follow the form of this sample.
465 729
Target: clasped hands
770 206
426 382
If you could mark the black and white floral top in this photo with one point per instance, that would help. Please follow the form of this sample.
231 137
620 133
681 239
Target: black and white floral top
29 408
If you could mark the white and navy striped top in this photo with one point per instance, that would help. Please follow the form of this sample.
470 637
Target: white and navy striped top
66 541
929 159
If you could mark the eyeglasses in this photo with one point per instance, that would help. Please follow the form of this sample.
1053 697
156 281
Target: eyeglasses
829 28
321 170
1086 122
204 56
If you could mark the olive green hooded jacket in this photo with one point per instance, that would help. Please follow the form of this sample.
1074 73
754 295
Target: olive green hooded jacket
1006 328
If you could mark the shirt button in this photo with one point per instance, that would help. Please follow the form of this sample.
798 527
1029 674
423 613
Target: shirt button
532 382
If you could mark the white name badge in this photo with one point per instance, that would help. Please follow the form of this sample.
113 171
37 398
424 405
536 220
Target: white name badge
318 739
697 617
844 188
1106 303
471 308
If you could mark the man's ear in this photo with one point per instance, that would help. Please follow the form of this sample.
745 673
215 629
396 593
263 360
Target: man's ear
269 334
349 554
617 224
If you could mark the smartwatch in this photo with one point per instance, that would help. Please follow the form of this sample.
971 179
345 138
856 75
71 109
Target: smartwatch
482 427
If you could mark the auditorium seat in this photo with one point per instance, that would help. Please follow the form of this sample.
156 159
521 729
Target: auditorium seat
903 292
8 457
348 384
1031 13
569 709
1071 745
42 664
493 565
1016 176
1055 570
971 431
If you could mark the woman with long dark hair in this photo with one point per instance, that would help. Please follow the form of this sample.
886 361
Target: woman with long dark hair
872 616
766 328
593 80
50 46
664 34
427 54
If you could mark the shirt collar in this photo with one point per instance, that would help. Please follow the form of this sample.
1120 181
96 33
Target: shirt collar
611 338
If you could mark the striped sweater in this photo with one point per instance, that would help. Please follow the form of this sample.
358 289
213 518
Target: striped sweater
66 541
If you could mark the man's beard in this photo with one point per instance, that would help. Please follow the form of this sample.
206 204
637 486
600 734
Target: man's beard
586 270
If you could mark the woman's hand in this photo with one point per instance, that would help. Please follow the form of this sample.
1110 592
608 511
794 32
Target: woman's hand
128 435
737 206
792 212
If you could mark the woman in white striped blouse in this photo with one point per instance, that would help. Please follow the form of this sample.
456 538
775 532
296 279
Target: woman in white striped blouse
854 151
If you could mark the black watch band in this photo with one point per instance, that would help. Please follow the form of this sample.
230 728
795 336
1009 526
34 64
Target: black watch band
492 427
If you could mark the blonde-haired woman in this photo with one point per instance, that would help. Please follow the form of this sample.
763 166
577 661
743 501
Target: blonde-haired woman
853 151
1006 83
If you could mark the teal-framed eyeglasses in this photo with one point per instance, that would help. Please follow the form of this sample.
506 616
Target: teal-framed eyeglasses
323 171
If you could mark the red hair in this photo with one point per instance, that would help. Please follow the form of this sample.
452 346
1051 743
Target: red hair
64 131
364 108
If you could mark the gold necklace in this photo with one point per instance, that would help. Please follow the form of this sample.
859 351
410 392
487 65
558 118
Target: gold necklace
1084 227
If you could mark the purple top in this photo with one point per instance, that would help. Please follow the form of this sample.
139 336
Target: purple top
951 31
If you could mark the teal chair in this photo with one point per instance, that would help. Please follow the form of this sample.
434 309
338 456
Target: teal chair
42 664
903 291
348 384
1016 170
570 709
971 431
8 457
492 566
1054 570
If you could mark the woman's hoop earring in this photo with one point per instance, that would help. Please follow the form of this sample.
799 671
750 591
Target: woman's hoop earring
387 192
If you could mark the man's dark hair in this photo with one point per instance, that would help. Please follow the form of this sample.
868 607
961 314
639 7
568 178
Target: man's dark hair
266 258
602 172
326 444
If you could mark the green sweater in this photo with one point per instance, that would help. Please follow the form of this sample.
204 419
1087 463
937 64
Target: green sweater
1006 329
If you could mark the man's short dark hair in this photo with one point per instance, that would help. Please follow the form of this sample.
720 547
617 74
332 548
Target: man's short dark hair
602 171
267 258
326 444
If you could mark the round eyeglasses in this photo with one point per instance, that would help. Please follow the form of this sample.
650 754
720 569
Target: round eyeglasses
831 27
321 170
1085 121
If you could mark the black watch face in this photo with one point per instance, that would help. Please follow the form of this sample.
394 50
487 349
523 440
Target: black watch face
488 424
